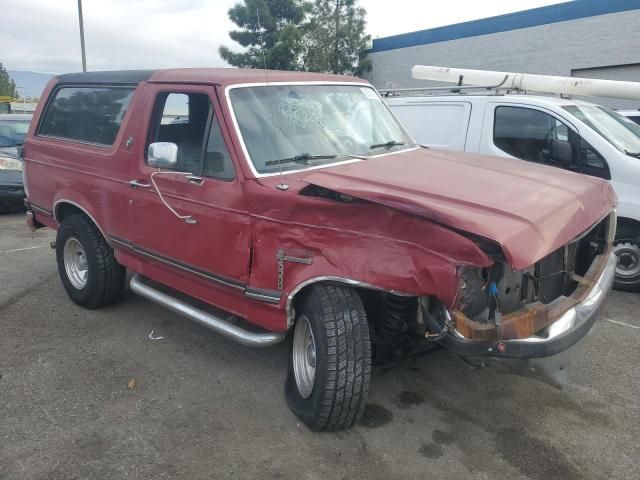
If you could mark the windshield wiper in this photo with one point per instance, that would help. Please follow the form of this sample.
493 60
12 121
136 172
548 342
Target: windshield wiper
389 144
301 158
632 154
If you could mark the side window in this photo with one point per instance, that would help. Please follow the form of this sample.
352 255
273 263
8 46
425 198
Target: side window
591 162
86 114
181 118
589 157
534 136
217 161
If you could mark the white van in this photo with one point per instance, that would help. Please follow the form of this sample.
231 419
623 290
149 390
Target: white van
560 132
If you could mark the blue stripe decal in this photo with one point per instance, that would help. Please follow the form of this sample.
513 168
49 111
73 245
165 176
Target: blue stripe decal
513 21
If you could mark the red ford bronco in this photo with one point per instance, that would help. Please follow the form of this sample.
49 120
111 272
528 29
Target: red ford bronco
297 202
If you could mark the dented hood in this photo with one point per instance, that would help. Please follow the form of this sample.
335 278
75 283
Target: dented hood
530 210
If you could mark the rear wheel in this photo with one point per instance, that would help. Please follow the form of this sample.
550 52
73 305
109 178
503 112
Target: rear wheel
330 359
627 249
86 263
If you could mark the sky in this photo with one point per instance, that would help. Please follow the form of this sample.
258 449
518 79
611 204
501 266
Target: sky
43 36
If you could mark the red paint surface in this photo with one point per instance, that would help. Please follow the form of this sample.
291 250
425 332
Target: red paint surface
399 239
530 210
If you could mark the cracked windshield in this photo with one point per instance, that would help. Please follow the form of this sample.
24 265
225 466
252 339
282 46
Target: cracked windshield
292 127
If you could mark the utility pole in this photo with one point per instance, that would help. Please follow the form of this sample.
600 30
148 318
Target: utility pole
84 58
335 53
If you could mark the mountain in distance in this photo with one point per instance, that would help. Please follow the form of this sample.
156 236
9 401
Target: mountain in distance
30 84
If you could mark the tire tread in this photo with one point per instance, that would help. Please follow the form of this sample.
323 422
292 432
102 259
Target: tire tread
348 356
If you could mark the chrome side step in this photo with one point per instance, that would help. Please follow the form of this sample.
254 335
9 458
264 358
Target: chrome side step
219 325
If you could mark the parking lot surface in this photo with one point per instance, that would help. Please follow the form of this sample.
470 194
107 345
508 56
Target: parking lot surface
88 394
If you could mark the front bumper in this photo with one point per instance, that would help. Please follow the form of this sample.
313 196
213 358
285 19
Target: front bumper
11 188
565 332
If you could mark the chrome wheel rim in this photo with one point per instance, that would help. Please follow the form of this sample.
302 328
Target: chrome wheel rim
75 263
304 357
628 265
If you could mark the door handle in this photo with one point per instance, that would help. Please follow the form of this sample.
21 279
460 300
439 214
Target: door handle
195 179
138 184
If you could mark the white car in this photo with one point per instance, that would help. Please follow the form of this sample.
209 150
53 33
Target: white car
551 130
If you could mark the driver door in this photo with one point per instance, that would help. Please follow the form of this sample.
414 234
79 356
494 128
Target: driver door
211 242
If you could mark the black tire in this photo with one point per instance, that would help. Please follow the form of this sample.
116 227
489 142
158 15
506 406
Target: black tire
627 238
343 359
105 278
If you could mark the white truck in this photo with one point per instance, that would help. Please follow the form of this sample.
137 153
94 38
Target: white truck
496 116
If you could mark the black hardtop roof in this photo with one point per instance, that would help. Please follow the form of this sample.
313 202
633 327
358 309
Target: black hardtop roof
112 77
211 76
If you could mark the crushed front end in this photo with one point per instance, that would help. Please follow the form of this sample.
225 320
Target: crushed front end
529 320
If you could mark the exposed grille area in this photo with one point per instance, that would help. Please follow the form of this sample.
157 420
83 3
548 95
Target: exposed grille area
499 289
557 273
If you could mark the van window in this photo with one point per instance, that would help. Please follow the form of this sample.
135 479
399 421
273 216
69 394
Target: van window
86 114
436 124
532 135
181 118
619 131
538 137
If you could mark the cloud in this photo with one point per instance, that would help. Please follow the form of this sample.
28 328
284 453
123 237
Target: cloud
119 34
43 36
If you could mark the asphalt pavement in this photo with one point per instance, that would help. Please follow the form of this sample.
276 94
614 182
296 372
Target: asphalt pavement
89 394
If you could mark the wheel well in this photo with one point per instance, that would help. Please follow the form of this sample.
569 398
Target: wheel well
63 210
367 293
293 305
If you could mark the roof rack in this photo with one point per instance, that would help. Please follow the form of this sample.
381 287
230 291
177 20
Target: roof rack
459 88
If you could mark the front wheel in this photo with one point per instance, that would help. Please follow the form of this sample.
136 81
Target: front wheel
330 359
627 249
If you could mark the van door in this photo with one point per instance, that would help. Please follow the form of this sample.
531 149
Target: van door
435 124
198 225
538 135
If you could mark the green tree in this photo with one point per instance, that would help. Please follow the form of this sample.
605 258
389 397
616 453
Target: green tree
7 85
281 36
335 39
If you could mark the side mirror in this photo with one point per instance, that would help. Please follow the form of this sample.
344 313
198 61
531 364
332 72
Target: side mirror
562 152
162 155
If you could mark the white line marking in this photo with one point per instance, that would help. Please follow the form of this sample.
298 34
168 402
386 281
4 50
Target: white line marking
20 249
154 338
622 323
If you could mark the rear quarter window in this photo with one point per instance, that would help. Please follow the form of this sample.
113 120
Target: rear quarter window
86 114
442 125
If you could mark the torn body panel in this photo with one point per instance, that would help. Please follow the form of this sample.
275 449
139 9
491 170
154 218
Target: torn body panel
411 256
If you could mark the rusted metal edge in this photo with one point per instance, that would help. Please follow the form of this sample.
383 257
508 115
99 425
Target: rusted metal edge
535 316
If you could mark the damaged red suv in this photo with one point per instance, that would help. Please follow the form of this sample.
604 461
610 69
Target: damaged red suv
259 203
